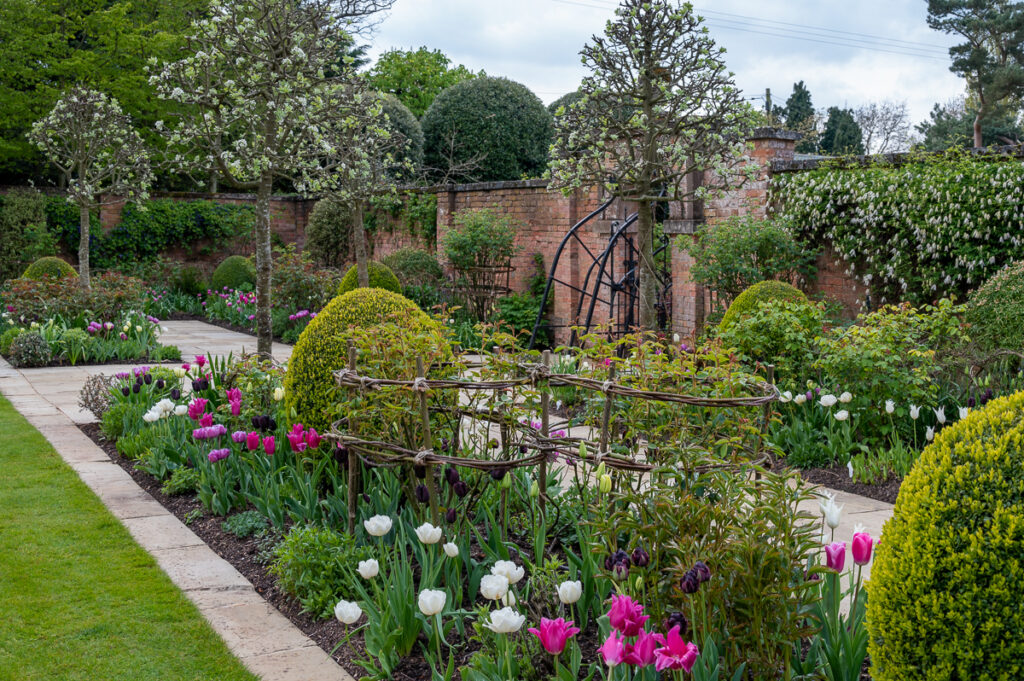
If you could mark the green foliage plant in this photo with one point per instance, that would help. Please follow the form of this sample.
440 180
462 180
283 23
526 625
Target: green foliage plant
29 350
23 233
750 299
234 272
416 77
414 266
7 337
782 333
329 233
381 277
480 242
948 580
49 266
732 255
323 348
486 129
183 480
317 566
936 226
996 309
244 524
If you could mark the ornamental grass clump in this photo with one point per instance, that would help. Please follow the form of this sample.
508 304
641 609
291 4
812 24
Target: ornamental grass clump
948 580
323 348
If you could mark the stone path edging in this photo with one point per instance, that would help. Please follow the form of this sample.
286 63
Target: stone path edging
266 642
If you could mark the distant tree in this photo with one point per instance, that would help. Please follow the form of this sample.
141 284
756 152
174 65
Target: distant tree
564 101
952 125
657 61
260 104
49 46
98 152
416 77
885 126
798 114
841 135
991 58
495 123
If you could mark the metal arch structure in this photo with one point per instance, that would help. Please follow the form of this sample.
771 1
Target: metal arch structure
612 279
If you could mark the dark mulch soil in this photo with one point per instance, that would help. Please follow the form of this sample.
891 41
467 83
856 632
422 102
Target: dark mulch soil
838 477
244 555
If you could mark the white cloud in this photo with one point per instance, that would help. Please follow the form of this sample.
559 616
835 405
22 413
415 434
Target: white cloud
537 42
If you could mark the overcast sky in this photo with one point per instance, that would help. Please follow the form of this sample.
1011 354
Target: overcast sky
847 52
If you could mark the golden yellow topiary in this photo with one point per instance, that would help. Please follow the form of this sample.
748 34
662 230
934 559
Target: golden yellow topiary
747 302
946 595
323 347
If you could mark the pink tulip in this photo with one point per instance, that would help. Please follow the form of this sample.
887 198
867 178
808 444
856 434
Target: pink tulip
641 653
313 438
196 408
206 420
234 395
554 634
613 650
269 445
626 615
236 408
201 360
218 454
861 547
252 441
835 555
676 653
296 441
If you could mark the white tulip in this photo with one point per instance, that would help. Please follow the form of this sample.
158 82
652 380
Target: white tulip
428 534
179 372
508 570
505 621
451 550
800 398
493 587
929 434
845 398
570 591
150 417
368 569
940 415
831 510
915 411
431 601
278 394
786 397
890 406
827 400
964 411
378 525
849 468
675 338
842 415
181 410
347 612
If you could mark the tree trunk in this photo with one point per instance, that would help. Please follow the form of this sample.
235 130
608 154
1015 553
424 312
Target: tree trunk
264 336
977 130
648 284
359 235
83 247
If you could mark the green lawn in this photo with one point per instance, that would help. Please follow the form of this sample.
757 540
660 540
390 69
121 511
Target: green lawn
79 599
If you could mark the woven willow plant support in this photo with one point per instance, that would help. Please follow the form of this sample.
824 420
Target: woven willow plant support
539 446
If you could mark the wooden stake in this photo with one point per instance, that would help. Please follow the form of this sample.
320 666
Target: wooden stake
545 428
427 444
353 458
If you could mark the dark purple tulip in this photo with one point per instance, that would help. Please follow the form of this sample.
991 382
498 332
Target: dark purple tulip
620 571
702 570
677 619
451 474
523 449
126 391
620 556
498 473
971 402
160 384
444 444
493 444
460 488
271 423
450 516
175 394
136 388
690 582
641 558
366 498
341 455
257 422
422 494
148 380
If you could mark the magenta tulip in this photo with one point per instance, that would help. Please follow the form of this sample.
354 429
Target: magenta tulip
269 445
313 438
626 615
252 441
835 555
613 650
676 653
861 547
554 634
641 653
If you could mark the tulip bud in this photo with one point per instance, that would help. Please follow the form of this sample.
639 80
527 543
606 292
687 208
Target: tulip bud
148 380
639 583
366 498
599 471
419 471
583 451
640 557
534 490
135 388
460 488
341 455
451 474
620 571
498 473
175 394
493 444
702 570
605 484
160 384
690 583
506 482
127 391
450 516
422 494
677 619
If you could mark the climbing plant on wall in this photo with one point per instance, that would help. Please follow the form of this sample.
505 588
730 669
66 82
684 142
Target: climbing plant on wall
932 227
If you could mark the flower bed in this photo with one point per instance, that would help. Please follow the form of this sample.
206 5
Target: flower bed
508 551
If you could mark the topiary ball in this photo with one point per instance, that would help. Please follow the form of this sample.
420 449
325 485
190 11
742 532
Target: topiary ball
323 347
414 267
996 308
49 266
29 349
381 276
760 292
945 594
235 271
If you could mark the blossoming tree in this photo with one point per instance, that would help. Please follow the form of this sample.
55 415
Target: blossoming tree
264 101
102 158
657 105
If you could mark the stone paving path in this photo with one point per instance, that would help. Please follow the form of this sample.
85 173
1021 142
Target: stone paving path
265 641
